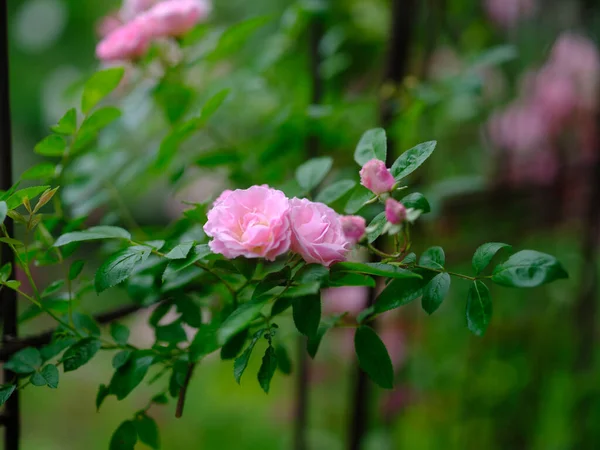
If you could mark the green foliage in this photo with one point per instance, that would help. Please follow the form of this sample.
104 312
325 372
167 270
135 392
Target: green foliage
433 258
373 357
119 333
240 319
335 191
99 86
528 268
24 361
376 227
6 391
359 197
127 377
267 368
412 159
479 308
381 269
80 353
417 201
240 363
485 253
3 211
125 437
147 430
93 234
310 174
435 292
53 145
372 145
119 267
47 376
398 293
307 314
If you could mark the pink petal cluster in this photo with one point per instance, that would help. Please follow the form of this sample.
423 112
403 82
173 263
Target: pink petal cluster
253 223
558 99
317 233
145 21
261 222
354 227
395 212
376 177
507 13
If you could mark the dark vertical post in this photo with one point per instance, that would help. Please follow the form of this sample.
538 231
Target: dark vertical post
315 33
8 297
402 18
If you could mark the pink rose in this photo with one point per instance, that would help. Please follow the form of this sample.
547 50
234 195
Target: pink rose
395 212
253 223
176 17
317 233
376 177
507 13
129 41
132 8
352 299
107 25
354 227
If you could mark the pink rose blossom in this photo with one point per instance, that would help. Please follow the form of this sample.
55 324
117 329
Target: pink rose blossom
352 299
176 17
376 177
507 13
129 41
354 227
395 212
317 233
107 25
253 223
133 8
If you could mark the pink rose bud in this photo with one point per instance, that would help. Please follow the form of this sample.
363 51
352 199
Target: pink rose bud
354 227
317 233
107 25
376 177
395 212
253 223
176 17
129 41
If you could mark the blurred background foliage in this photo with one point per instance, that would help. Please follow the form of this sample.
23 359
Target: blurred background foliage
520 386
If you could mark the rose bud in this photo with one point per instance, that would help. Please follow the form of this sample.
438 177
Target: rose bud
395 212
354 227
376 177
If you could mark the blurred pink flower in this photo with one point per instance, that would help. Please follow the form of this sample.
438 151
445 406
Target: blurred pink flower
107 25
376 177
354 227
133 8
351 299
253 223
127 42
507 13
520 127
395 212
317 233
176 17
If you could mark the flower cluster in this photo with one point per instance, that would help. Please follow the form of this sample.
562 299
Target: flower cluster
261 222
560 97
128 37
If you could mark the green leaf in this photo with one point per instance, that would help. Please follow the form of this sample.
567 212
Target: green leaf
93 234
86 324
435 292
121 358
147 430
52 288
174 98
234 346
218 158
53 145
99 86
411 159
3 212
98 120
240 319
340 279
119 267
241 362
271 281
13 284
205 341
6 391
103 392
126 378
24 361
376 227
398 293
373 357
235 37
125 437
190 312
335 191
281 305
47 376
119 333
30 193
360 196
80 353
76 269
485 253
417 201
172 333
311 273
479 308
5 272
42 171
181 251
307 314
372 145
312 346
284 362
528 268
310 174
381 269
198 252
267 369
67 124
433 258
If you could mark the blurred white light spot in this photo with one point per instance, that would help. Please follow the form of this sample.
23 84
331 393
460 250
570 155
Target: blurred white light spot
39 23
